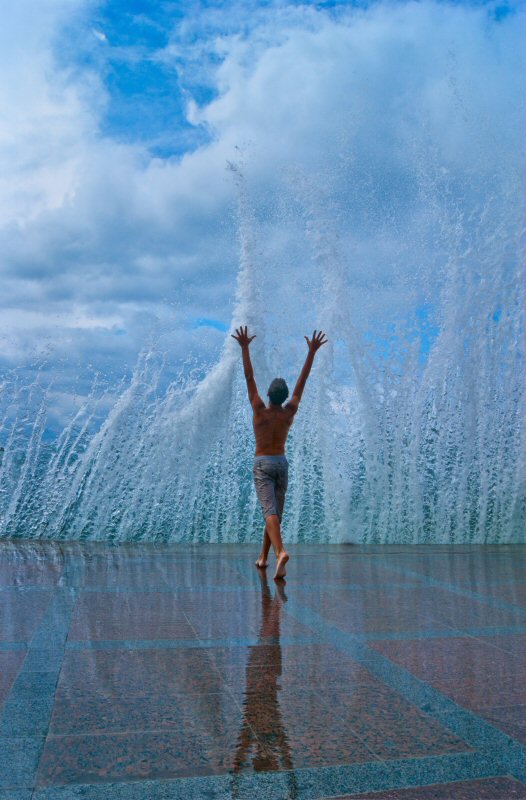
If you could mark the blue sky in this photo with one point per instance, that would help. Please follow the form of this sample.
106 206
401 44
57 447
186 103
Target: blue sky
147 93
117 212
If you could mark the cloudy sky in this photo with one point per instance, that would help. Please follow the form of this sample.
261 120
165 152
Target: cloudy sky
118 120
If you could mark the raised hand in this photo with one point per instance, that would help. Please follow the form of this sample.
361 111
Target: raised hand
241 336
316 342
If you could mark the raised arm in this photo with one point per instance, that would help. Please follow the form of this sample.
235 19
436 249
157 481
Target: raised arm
241 336
314 345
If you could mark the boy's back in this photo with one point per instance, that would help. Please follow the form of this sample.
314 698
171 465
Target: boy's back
271 428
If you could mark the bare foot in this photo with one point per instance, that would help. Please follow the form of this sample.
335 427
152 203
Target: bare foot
281 569
261 563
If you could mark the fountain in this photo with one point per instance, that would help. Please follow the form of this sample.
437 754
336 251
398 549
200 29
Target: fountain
413 424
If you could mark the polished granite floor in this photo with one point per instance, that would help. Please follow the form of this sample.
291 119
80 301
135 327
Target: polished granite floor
143 672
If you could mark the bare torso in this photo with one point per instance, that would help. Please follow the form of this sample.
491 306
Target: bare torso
271 427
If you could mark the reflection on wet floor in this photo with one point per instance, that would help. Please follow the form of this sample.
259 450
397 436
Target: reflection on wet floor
263 735
372 672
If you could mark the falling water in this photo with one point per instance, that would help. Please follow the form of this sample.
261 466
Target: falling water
416 439
413 423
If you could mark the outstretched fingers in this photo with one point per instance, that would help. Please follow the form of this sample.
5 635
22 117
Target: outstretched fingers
241 336
318 339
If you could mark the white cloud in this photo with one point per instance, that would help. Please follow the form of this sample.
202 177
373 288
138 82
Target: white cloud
44 120
100 35
98 235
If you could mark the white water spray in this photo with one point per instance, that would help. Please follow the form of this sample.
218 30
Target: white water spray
413 423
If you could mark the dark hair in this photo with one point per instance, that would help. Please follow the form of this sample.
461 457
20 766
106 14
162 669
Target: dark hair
278 391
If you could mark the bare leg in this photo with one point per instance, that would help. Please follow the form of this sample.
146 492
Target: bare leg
274 531
263 557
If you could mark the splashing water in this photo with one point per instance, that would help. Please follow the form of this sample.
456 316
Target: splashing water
407 440
413 423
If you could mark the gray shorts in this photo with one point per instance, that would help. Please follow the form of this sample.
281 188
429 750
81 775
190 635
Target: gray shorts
271 477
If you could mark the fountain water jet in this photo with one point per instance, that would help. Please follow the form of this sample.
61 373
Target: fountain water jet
409 431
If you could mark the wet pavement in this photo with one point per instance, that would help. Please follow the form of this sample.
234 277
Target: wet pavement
143 672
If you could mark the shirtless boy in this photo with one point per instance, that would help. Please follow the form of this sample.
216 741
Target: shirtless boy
271 426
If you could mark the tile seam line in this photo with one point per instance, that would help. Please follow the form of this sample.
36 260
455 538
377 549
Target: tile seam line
53 595
436 716
329 633
230 692
183 644
447 633
390 780
396 636
449 784
60 592
200 588
375 755
462 592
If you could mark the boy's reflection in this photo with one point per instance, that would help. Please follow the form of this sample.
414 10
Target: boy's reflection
262 733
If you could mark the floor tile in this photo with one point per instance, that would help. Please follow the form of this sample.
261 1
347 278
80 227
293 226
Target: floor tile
390 726
18 761
42 660
10 663
28 574
510 720
219 625
454 658
143 666
119 571
205 573
486 692
334 571
135 671
513 592
26 716
124 757
129 615
489 789
298 729
152 710
32 684
20 613
513 644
